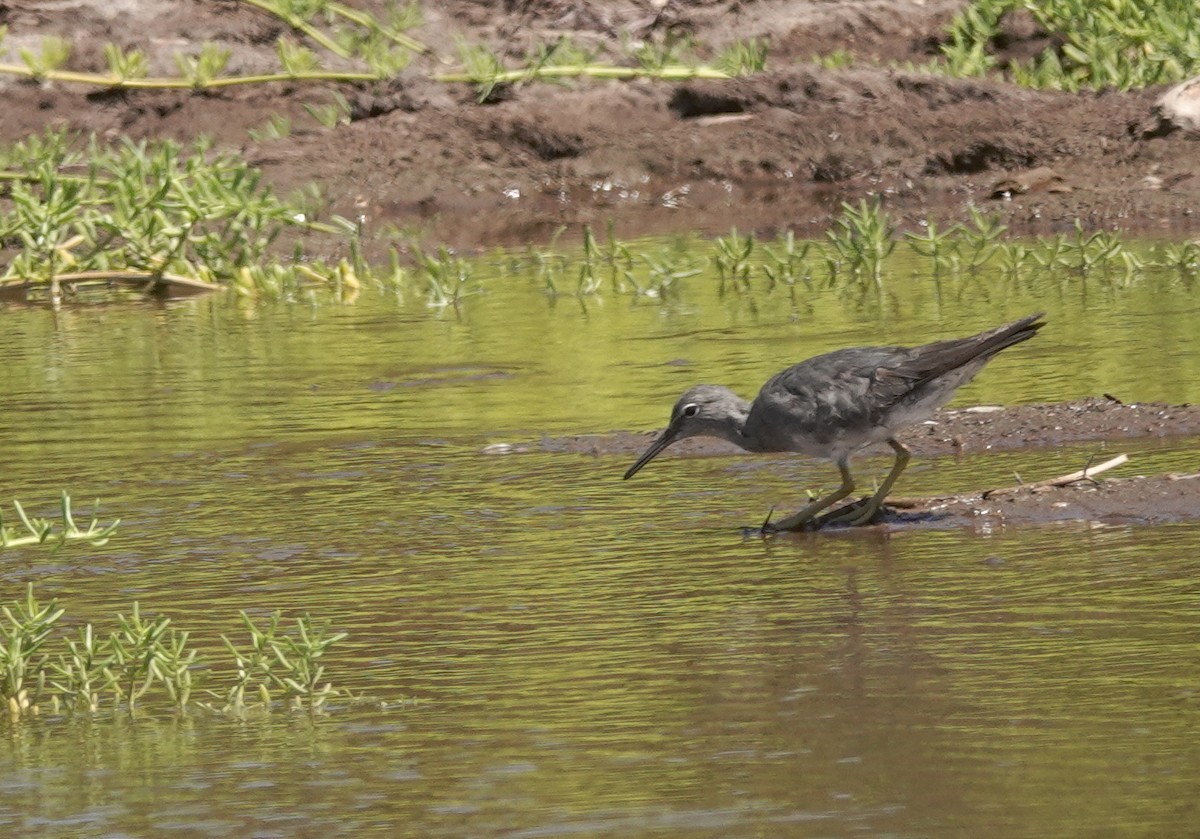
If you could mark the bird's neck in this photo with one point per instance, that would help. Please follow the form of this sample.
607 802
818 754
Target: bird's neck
734 428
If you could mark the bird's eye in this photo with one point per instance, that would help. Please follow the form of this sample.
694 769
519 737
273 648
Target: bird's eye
691 410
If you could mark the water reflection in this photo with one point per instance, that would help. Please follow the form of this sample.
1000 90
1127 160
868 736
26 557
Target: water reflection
591 657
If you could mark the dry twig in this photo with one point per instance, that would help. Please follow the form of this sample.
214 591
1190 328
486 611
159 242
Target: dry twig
1087 473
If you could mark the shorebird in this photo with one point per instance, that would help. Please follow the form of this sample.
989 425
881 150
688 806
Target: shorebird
834 404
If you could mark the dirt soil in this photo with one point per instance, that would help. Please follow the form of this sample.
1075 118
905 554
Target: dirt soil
782 149
777 150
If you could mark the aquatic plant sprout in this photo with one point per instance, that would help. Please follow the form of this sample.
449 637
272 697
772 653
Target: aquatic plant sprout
40 531
26 627
145 661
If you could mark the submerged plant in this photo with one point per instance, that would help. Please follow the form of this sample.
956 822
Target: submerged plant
733 260
40 531
145 656
84 673
135 650
590 279
1084 252
1014 256
300 674
936 245
978 240
280 664
446 277
1183 258
666 269
551 267
856 248
863 237
24 630
785 262
614 255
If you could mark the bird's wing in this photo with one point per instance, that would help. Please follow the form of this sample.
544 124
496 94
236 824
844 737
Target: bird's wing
854 387
907 370
824 392
888 385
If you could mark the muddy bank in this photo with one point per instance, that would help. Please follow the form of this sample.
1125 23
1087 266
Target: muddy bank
782 149
1144 499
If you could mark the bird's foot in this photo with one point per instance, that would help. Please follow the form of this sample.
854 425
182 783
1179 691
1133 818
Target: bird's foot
764 530
788 525
863 511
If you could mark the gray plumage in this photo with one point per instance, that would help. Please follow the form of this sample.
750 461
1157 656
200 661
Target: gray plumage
834 404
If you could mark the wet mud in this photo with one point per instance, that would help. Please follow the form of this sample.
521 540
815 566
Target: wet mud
778 150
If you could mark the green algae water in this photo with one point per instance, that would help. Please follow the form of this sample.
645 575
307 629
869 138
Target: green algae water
583 656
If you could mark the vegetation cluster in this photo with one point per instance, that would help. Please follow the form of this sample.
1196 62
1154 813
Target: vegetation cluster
39 531
145 214
1094 44
145 659
853 254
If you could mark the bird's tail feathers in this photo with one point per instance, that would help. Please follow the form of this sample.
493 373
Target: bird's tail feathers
940 357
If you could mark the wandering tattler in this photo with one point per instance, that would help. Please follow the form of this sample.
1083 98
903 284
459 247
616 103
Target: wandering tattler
834 404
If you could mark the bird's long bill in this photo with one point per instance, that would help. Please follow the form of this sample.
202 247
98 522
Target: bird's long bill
665 439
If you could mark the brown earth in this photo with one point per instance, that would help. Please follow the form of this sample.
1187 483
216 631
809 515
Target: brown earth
777 150
782 149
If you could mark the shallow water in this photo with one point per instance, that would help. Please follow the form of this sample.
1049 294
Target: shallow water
588 657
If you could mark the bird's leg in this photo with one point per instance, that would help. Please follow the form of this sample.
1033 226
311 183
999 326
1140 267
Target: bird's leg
798 520
865 514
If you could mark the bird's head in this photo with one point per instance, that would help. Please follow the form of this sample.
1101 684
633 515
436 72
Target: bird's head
705 410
